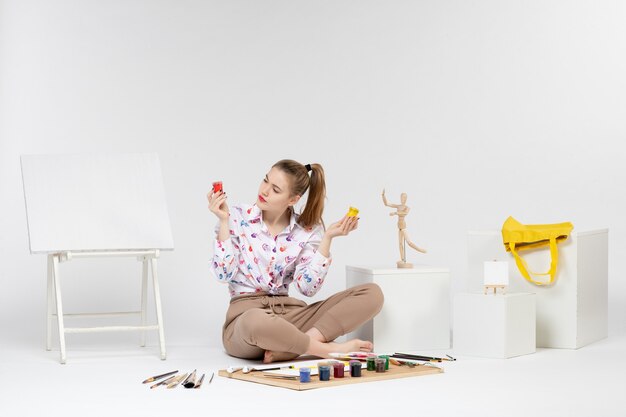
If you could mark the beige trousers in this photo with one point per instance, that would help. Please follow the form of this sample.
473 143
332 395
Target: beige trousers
259 322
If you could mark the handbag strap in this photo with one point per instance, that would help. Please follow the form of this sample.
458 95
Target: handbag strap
523 267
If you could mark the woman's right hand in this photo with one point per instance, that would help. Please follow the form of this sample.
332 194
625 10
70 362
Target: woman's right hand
218 205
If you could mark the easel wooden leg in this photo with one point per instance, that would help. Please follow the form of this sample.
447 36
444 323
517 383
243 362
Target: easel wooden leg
59 304
488 288
49 304
157 303
144 298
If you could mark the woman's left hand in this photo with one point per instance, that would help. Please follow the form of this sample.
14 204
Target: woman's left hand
342 227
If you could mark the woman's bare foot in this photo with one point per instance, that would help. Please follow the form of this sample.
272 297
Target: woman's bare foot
323 350
354 345
319 347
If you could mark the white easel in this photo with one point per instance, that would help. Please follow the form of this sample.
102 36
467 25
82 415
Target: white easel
495 276
107 184
54 298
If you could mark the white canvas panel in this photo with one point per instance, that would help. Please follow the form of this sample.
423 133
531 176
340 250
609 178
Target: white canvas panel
95 202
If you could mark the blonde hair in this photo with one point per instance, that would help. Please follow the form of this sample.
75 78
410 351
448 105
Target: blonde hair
301 181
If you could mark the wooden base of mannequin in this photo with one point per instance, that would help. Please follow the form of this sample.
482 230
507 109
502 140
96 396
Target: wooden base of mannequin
402 264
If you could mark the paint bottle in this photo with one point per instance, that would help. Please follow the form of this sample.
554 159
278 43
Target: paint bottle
338 369
355 369
386 358
380 365
324 372
352 212
320 364
305 375
371 364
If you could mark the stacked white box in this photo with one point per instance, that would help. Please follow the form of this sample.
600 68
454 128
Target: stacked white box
574 311
493 326
416 312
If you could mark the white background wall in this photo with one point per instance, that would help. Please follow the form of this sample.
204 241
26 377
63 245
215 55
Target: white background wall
477 110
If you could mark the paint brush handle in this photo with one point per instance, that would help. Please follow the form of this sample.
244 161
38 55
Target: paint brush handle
416 357
177 381
190 381
154 378
164 382
199 383
422 358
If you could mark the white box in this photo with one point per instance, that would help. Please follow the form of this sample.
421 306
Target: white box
494 326
574 311
416 312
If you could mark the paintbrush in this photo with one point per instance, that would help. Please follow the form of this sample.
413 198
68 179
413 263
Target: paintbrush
164 382
177 381
281 376
199 383
421 358
361 356
154 378
247 369
190 381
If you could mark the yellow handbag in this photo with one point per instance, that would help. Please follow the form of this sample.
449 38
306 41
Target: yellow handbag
518 237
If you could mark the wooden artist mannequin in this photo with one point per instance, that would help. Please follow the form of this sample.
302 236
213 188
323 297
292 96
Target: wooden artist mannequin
403 238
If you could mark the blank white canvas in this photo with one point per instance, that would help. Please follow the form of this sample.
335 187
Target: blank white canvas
95 202
496 273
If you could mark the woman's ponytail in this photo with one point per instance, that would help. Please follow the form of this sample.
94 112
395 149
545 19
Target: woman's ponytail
312 213
315 183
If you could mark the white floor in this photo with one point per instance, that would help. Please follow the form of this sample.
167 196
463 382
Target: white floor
106 381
